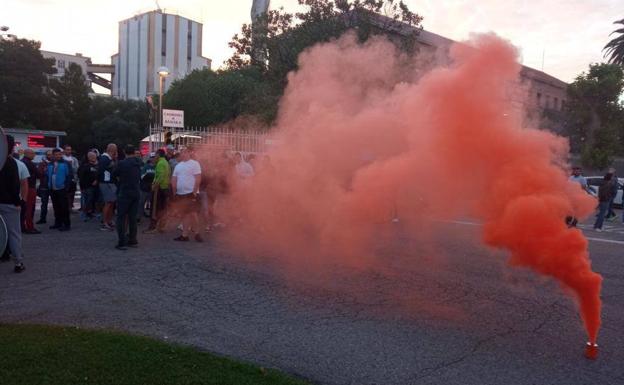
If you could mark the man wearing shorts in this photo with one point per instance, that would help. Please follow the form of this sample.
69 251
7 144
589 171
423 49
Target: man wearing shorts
108 189
185 187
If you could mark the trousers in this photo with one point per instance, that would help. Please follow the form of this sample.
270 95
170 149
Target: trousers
127 208
11 215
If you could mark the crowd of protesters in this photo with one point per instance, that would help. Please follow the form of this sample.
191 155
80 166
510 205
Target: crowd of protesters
117 188
177 187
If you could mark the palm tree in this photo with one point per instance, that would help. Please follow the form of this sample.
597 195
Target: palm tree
615 48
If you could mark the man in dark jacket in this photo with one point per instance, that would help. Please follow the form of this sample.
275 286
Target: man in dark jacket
88 178
10 202
605 195
43 191
128 176
31 196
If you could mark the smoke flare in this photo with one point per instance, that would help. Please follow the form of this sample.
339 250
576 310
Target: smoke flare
360 132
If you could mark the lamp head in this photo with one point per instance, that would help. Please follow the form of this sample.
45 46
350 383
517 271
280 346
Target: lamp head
163 71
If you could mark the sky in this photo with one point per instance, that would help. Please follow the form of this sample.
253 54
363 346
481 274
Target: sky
562 37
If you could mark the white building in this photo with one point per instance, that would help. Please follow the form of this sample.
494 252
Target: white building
90 71
63 60
149 41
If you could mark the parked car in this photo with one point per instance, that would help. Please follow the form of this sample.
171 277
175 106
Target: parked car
596 181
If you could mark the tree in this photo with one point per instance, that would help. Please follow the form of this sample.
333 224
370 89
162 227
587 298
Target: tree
284 36
115 121
26 99
210 98
595 115
615 48
72 98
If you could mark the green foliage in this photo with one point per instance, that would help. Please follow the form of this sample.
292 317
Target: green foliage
26 99
31 98
614 49
114 121
267 50
595 115
276 39
210 98
72 99
37 355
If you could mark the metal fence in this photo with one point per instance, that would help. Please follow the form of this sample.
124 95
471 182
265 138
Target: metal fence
210 138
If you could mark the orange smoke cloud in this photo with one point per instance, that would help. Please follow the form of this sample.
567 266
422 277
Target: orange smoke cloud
361 137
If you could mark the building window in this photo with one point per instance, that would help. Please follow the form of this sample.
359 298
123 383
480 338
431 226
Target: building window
562 104
556 106
547 101
539 99
164 36
60 64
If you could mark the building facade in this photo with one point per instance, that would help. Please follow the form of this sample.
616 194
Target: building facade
63 60
149 41
540 96
92 72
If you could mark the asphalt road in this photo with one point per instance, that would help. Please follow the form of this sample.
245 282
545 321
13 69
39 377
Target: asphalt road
450 312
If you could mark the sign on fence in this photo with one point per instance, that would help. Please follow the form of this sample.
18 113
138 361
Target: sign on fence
173 118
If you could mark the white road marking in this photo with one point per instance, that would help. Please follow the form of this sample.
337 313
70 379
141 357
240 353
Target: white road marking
468 223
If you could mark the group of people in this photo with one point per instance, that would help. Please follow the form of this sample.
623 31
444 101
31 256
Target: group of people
21 181
607 191
117 188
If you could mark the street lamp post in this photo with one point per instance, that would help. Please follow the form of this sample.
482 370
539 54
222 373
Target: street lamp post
4 35
162 74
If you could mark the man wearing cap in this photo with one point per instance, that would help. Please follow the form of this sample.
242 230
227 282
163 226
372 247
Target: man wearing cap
160 191
10 201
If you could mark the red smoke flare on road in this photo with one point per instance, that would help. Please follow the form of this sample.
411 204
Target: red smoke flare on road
363 136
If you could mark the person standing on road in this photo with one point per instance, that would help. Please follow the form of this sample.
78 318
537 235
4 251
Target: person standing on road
88 178
42 191
185 187
24 174
31 195
160 191
108 189
128 175
73 163
59 181
611 215
147 180
577 177
10 202
605 195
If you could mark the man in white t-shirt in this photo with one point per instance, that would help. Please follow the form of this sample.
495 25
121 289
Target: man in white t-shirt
185 188
578 177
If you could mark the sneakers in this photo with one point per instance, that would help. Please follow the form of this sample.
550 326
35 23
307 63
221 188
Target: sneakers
64 228
181 238
133 244
106 227
598 229
41 222
55 227
121 247
19 268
